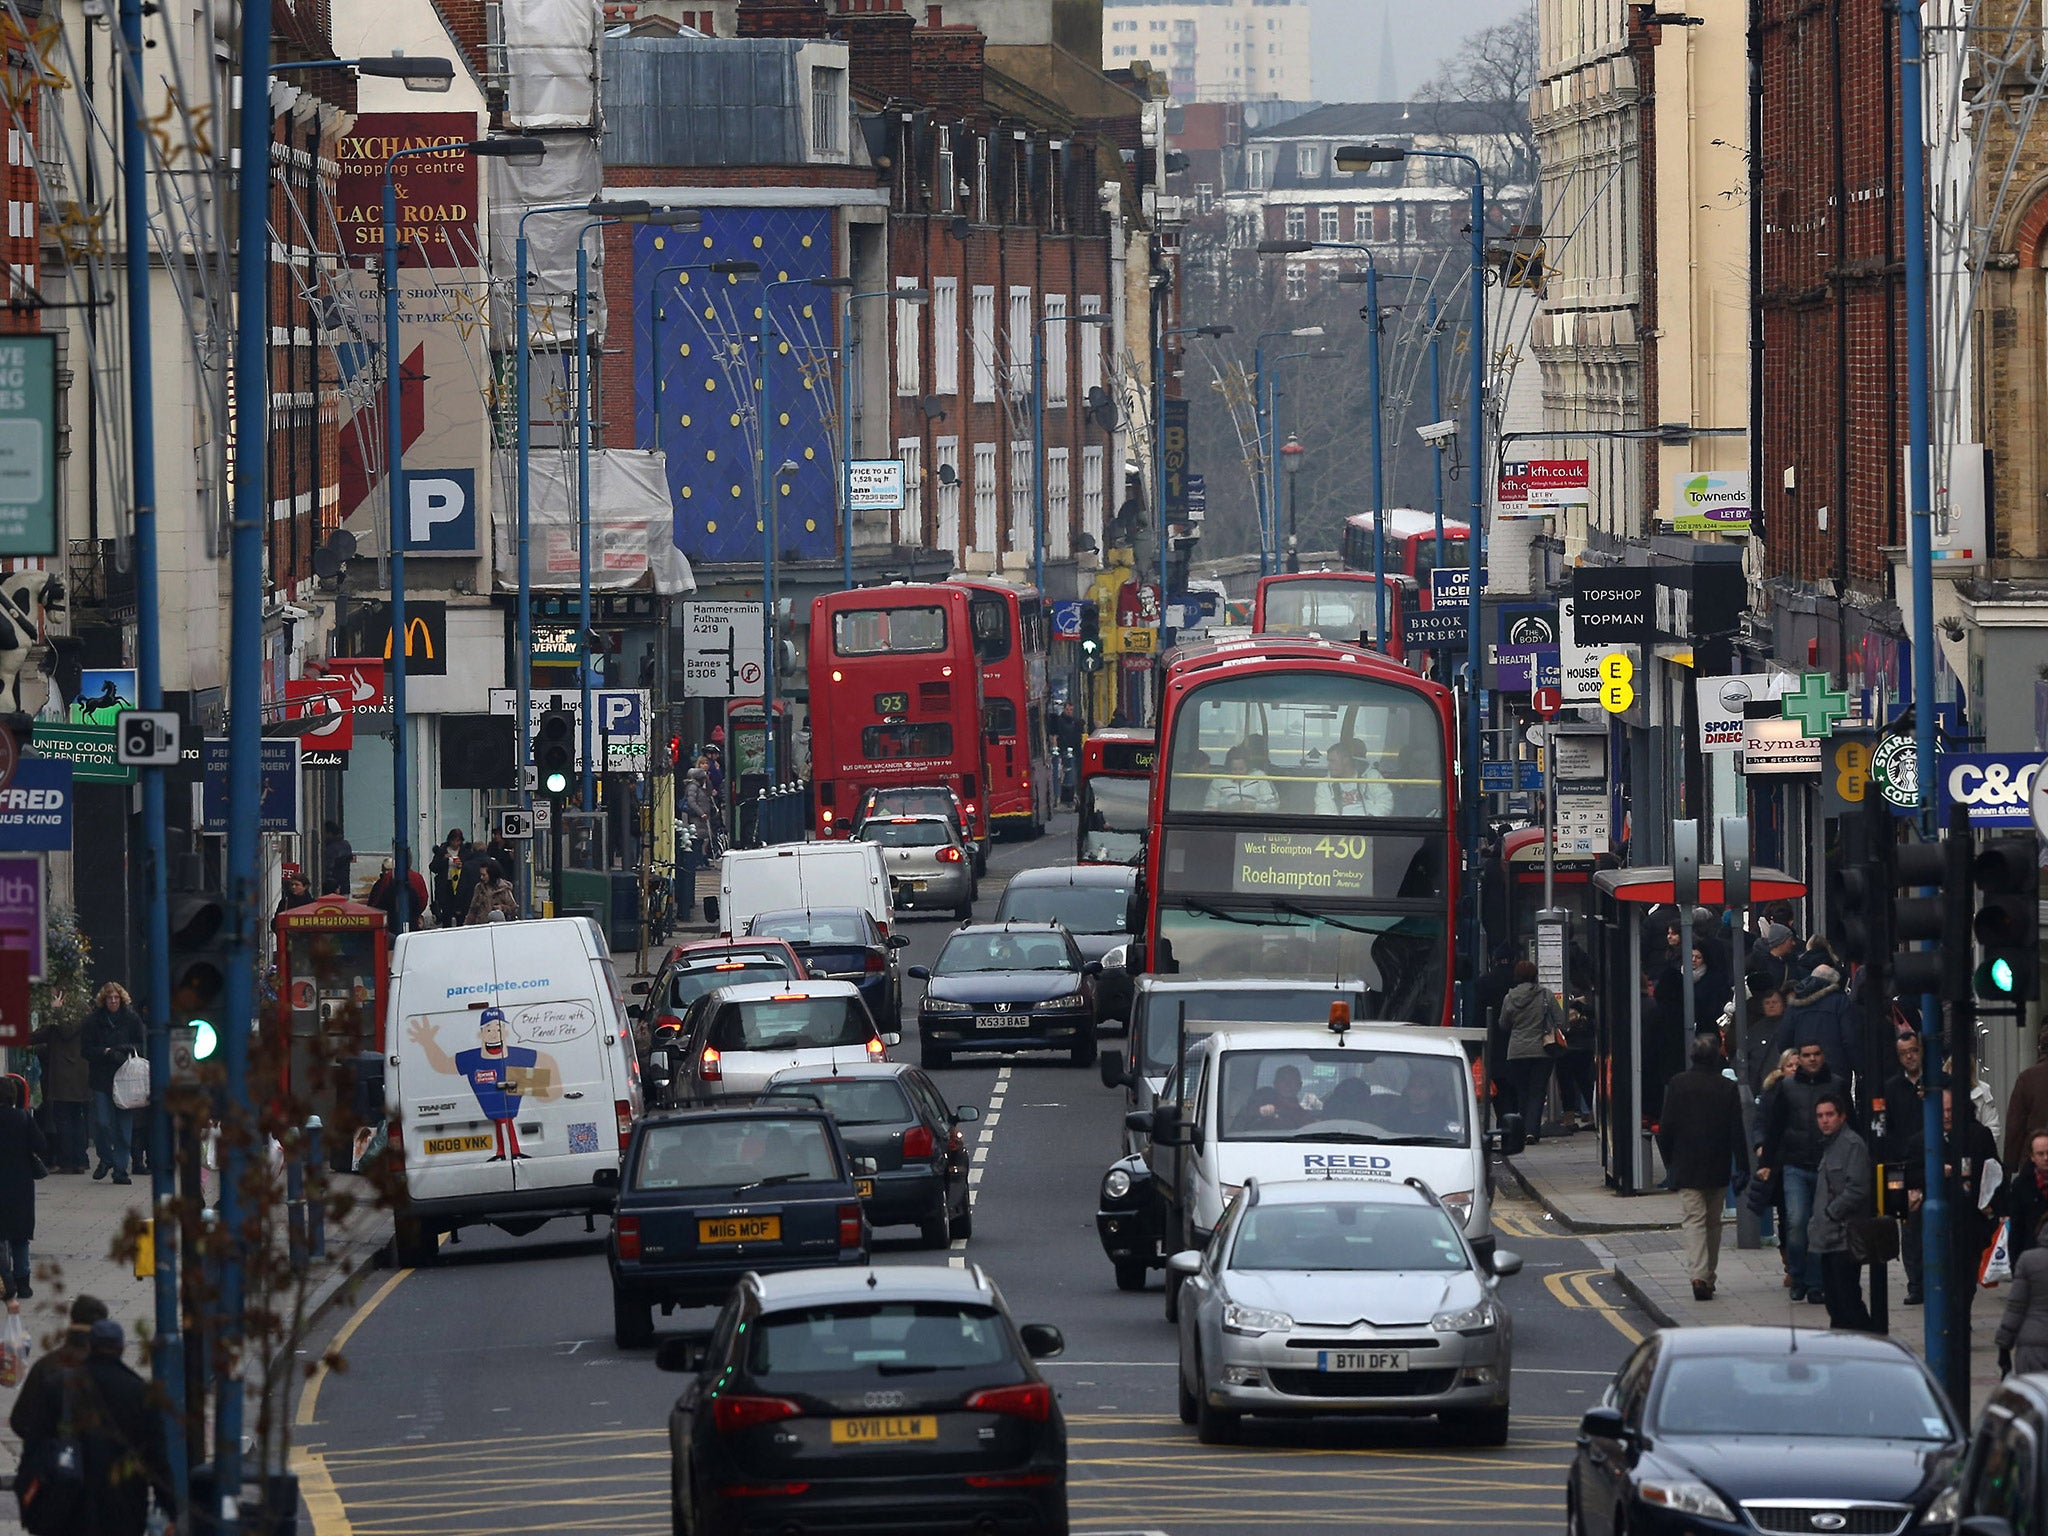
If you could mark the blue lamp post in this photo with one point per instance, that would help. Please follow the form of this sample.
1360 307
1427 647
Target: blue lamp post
846 387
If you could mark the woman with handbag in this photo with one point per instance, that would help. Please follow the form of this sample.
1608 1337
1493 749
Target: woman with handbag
1535 1029
113 1037
22 1150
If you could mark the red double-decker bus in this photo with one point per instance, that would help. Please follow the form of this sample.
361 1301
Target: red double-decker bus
1009 642
1410 546
895 699
1303 822
1335 605
1113 800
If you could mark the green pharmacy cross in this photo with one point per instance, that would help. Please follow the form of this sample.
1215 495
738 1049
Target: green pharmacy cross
1815 705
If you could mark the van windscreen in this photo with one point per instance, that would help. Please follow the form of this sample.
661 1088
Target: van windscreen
1348 1093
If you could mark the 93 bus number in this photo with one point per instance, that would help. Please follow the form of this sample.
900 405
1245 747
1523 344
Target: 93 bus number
892 703
1344 847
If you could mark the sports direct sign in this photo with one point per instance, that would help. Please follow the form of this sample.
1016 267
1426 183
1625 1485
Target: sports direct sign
1994 787
1723 700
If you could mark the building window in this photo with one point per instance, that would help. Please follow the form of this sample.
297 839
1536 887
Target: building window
1297 223
828 111
1059 508
948 189
1056 187
909 344
910 521
981 180
1308 161
984 498
1408 232
1205 196
1258 169
1023 500
1361 223
946 336
984 344
1297 282
1056 349
1017 343
1091 346
1091 493
1332 224
945 456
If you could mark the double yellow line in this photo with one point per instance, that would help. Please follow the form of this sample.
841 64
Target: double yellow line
1573 1288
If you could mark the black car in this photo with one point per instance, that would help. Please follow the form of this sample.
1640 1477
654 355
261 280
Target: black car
894 1116
843 944
2002 1489
903 1400
1711 1430
1008 987
1098 905
705 1196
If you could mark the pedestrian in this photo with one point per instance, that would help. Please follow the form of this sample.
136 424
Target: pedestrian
91 1394
1700 1136
1792 1147
113 1033
384 897
2023 1331
473 865
1845 1191
1493 990
2026 1195
70 1353
697 805
2027 1110
1711 988
1772 958
1531 1017
495 900
67 1089
505 855
296 894
1575 1066
337 861
1904 1146
1760 1051
444 867
1770 1204
22 1148
1963 1178
1819 1010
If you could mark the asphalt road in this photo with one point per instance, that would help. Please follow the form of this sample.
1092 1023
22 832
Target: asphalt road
484 1394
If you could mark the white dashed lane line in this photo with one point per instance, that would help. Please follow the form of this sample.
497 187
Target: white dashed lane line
958 1257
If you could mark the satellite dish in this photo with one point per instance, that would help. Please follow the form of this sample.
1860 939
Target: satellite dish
343 543
326 564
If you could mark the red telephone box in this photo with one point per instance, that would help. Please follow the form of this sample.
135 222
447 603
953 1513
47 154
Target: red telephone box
333 956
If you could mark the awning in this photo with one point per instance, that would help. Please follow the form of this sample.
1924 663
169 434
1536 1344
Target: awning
1651 886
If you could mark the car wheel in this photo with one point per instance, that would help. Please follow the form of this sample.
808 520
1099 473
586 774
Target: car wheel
1083 1053
1479 1426
1190 1404
413 1243
934 1057
963 1224
632 1321
1173 1282
935 1231
1214 1426
1130 1276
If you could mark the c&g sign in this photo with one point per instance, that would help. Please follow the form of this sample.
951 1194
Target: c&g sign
1994 786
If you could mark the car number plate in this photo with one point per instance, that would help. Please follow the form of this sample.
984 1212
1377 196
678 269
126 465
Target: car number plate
739 1229
922 1426
864 1187
1004 1021
459 1144
917 885
1367 1361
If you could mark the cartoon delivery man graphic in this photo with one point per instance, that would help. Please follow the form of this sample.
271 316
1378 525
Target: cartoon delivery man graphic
501 1075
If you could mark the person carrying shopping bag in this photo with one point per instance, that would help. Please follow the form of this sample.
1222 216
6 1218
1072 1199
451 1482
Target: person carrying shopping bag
113 1035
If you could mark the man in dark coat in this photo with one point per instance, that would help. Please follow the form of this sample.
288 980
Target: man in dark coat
474 863
1903 1146
1700 1136
1791 1154
444 865
2027 1110
1820 1011
67 1089
337 861
108 1409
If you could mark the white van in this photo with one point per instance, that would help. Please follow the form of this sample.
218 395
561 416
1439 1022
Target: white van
787 876
510 1076
1378 1104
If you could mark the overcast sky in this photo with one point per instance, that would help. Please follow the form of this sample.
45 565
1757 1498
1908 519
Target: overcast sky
1347 41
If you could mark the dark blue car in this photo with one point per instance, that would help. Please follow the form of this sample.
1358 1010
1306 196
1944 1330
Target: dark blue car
1008 987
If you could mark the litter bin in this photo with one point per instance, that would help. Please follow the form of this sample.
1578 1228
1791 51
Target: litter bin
623 927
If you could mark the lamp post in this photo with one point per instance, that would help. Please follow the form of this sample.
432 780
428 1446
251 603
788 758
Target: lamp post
1290 461
1038 443
1214 333
1261 413
846 385
769 340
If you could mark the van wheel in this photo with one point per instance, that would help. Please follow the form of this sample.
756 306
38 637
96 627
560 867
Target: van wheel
1083 1053
1130 1276
632 1321
414 1244
934 1057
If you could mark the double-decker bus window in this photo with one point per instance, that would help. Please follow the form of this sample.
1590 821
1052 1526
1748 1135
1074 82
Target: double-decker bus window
893 743
1338 609
888 631
1307 744
1456 556
991 617
998 719
1400 957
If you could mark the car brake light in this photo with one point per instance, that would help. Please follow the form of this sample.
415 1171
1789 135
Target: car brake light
626 1232
730 965
902 821
1031 1401
917 1141
1011 1480
875 965
764 1490
623 1108
950 856
730 1415
850 1224
707 1065
667 1021
877 1049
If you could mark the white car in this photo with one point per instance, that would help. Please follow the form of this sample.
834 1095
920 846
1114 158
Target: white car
1330 1298
737 1038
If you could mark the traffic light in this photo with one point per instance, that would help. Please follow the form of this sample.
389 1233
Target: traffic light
554 750
1864 893
1091 637
1941 918
198 970
2007 922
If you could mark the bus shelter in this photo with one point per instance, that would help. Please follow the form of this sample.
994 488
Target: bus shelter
1635 1055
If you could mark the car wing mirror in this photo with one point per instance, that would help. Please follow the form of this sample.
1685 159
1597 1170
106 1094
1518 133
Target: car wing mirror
966 1114
641 988
1141 1121
1509 1140
1111 1065
1505 1263
685 1355
891 1038
897 941
1602 1423
1985 1525
920 973
1042 1340
1092 968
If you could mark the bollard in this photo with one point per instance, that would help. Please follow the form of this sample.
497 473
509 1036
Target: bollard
295 1202
316 1178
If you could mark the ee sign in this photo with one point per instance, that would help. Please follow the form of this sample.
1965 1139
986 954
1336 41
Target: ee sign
1617 691
1995 787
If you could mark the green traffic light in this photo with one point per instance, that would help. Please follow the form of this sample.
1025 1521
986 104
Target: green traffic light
557 782
205 1040
2000 972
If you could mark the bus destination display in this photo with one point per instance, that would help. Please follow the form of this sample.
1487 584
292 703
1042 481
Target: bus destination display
1331 864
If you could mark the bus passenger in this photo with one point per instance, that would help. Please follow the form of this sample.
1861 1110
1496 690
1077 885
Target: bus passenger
1239 789
1344 793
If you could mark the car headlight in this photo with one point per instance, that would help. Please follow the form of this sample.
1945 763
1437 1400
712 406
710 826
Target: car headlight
1252 1321
1947 1507
1071 1000
946 1005
1468 1319
1459 1205
1116 1185
1687 1499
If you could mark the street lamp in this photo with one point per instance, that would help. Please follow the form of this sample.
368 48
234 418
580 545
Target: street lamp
727 269
425 75
768 339
1290 460
1038 441
1214 333
1262 410
901 296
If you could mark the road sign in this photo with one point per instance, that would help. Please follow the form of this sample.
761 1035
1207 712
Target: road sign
515 826
148 739
1503 776
1066 621
1450 586
724 650
277 799
1437 628
1546 702
543 815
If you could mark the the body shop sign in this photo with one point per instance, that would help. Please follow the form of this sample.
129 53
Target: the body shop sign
1711 503
437 191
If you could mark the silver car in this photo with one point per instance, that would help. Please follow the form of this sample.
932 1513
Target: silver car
1327 1298
929 867
737 1038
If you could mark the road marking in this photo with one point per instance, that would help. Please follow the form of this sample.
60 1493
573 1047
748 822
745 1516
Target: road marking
310 1398
1517 1224
323 1499
1573 1288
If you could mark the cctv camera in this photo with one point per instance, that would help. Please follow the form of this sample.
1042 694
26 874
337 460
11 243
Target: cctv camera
294 613
1437 433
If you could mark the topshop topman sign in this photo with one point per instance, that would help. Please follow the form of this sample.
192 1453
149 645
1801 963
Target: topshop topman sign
28 445
1613 607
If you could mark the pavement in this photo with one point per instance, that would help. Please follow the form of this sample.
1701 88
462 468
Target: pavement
1636 1237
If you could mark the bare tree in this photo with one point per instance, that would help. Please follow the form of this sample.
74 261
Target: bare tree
1492 74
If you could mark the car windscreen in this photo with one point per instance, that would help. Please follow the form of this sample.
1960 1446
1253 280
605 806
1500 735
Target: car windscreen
853 1100
688 982
1351 1094
1082 908
910 802
810 927
1289 1005
1346 1235
791 1024
1809 1395
966 953
734 1150
885 1338
907 834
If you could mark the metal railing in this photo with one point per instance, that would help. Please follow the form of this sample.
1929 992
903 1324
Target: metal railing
779 814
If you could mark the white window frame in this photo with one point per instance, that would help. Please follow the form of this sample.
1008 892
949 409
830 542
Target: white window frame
987 500
1330 225
1017 341
1295 222
946 498
984 342
1091 346
1258 168
1059 508
828 113
909 344
1056 326
1297 282
1308 161
910 520
1093 459
1361 223
948 189
1023 499
945 308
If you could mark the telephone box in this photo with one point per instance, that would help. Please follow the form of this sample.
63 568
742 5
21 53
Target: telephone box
333 956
